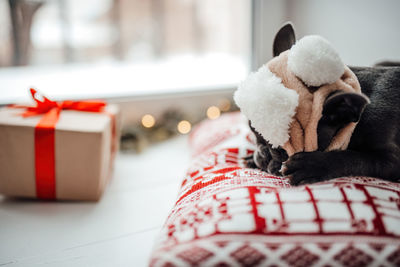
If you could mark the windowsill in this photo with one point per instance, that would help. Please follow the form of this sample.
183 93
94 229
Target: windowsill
119 230
186 75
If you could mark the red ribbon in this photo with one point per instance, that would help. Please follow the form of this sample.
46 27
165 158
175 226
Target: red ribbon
45 137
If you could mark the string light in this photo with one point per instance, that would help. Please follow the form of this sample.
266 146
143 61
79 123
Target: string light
224 104
184 127
213 112
148 121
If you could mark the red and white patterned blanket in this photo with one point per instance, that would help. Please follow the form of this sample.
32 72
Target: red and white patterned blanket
230 215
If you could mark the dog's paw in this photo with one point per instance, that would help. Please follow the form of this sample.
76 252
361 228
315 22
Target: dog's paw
274 167
278 156
262 158
267 159
249 162
306 167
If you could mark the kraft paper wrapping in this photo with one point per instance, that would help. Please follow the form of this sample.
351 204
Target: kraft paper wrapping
83 156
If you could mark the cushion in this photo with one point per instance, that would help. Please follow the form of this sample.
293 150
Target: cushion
229 215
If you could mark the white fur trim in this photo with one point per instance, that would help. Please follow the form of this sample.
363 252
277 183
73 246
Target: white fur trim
314 61
268 104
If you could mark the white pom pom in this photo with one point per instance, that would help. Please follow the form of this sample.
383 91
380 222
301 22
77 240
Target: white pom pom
268 104
314 61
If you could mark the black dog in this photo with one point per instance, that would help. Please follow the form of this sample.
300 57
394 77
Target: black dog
374 148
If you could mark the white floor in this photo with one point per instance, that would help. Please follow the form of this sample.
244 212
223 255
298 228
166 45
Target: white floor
117 231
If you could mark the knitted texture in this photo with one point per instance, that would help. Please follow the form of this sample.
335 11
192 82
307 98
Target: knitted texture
230 215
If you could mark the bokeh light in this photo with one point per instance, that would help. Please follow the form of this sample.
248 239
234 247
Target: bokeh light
224 104
184 127
148 121
213 112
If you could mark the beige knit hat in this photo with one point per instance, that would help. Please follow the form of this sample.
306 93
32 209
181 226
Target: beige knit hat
284 99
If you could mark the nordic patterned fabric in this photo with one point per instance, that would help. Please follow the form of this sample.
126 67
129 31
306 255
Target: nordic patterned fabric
230 215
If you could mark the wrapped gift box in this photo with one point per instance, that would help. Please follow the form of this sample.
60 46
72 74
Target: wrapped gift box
82 150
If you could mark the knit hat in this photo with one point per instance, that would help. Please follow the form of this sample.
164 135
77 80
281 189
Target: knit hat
284 99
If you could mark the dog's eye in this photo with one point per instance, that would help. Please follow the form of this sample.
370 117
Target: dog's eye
312 89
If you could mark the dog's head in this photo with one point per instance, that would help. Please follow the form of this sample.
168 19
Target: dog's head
305 98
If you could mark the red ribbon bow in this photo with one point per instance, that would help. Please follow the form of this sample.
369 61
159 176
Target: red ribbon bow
45 137
45 106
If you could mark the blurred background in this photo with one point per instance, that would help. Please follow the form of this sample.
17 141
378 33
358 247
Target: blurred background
168 61
44 32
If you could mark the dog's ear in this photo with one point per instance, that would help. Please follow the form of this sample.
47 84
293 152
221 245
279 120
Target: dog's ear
284 39
342 108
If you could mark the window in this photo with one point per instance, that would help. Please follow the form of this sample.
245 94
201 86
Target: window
116 48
